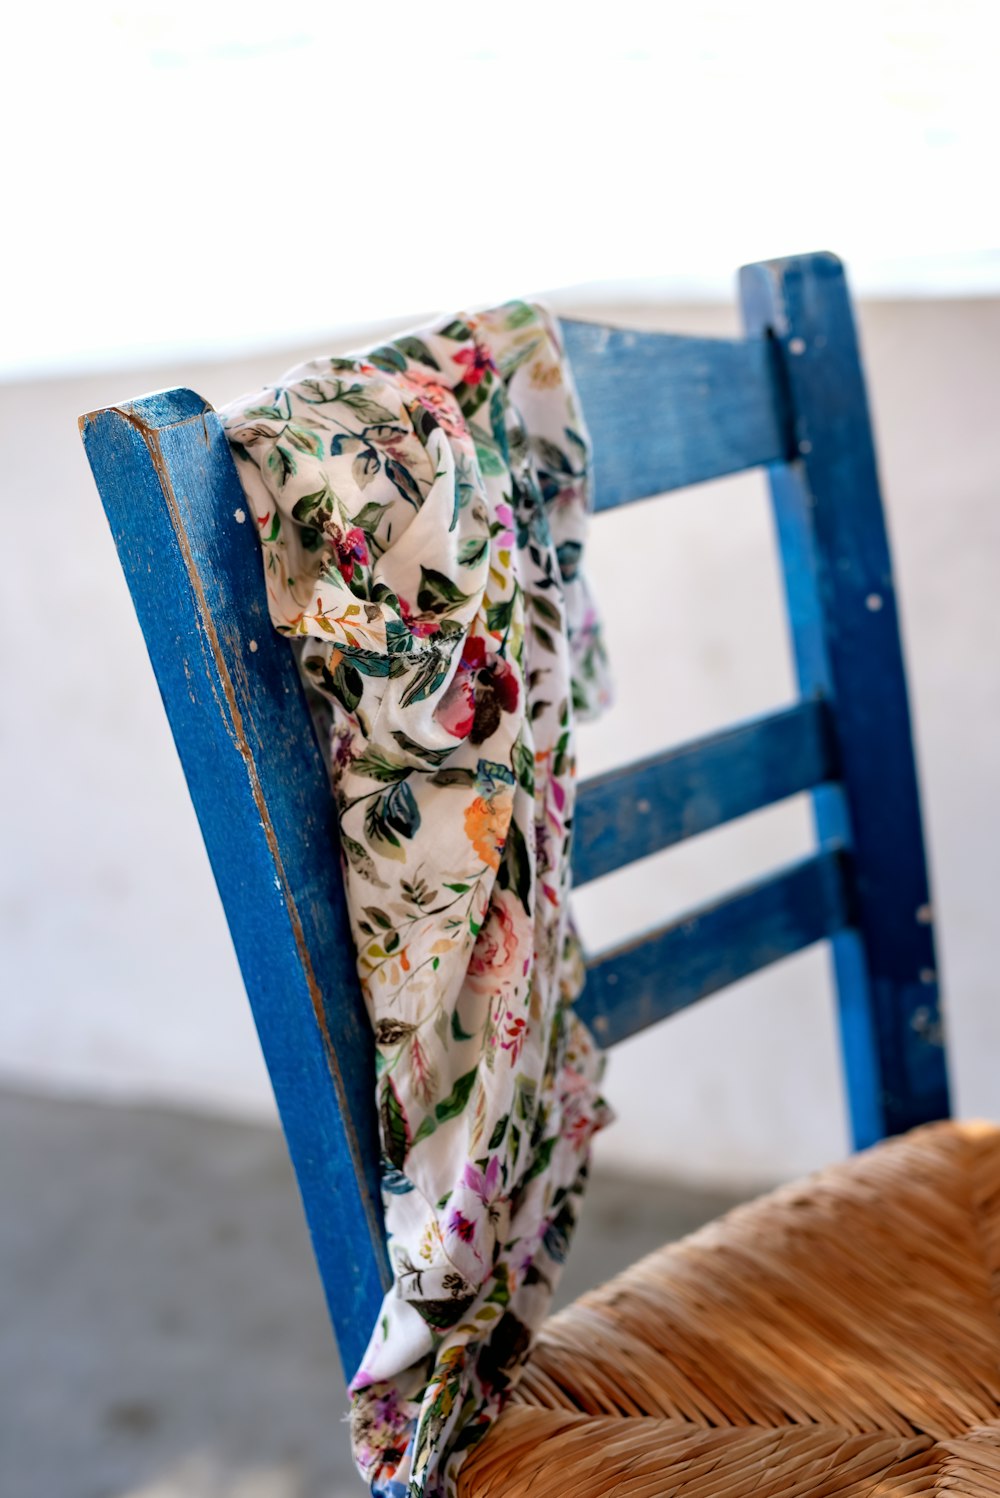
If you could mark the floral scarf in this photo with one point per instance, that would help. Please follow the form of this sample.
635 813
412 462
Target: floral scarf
422 511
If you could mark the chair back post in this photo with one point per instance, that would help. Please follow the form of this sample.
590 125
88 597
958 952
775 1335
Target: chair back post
845 630
243 732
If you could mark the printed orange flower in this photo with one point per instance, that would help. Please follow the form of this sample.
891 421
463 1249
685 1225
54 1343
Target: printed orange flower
486 822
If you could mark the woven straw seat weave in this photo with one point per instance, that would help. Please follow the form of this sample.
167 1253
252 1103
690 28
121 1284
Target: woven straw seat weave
838 1336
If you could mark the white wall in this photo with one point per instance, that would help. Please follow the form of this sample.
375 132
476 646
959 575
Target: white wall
116 970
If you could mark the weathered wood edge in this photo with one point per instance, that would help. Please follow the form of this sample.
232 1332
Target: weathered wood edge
126 448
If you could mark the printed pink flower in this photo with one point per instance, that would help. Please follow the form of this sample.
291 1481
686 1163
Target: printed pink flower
461 1226
579 1118
420 625
483 1183
349 548
505 518
435 398
484 686
475 363
457 709
495 950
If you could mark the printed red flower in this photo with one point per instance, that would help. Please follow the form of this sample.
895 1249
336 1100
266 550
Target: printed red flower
483 687
515 1032
505 684
421 625
463 1227
475 363
474 653
349 548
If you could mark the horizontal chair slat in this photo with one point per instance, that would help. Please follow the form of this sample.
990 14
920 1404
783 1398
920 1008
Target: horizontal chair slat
631 986
665 411
644 807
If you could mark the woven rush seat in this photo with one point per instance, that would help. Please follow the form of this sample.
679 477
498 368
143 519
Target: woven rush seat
837 1336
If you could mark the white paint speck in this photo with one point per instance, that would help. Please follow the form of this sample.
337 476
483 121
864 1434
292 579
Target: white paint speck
805 446
925 914
239 516
253 646
928 975
873 602
796 345
611 979
643 807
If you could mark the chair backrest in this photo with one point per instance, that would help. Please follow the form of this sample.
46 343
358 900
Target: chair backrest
664 412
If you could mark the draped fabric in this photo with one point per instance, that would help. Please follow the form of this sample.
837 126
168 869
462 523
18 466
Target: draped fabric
422 511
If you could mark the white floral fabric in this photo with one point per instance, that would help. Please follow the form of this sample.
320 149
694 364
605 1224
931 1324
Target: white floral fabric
422 511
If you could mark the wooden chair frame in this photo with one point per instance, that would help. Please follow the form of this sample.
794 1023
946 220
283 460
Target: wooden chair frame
664 412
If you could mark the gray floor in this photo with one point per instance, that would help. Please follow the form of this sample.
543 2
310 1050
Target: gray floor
162 1329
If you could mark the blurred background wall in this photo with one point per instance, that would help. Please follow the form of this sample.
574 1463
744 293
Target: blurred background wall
213 192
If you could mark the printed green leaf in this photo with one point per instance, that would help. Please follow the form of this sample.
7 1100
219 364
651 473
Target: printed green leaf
436 589
361 860
515 869
268 413
281 463
457 1033
473 550
369 410
545 609
347 685
543 1155
553 458
519 314
312 506
404 482
414 348
379 836
400 811
455 1102
499 1130
498 615
377 765
488 456
524 766
576 440
426 678
388 358
430 756
454 776
305 440
369 517
524 1094
365 467
395 1126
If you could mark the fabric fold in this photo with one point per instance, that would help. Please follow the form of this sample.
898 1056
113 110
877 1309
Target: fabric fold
422 511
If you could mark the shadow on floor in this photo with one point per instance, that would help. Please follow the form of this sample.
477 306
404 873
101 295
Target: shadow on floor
164 1334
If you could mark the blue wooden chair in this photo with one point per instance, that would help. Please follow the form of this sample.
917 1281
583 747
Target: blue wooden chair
664 412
